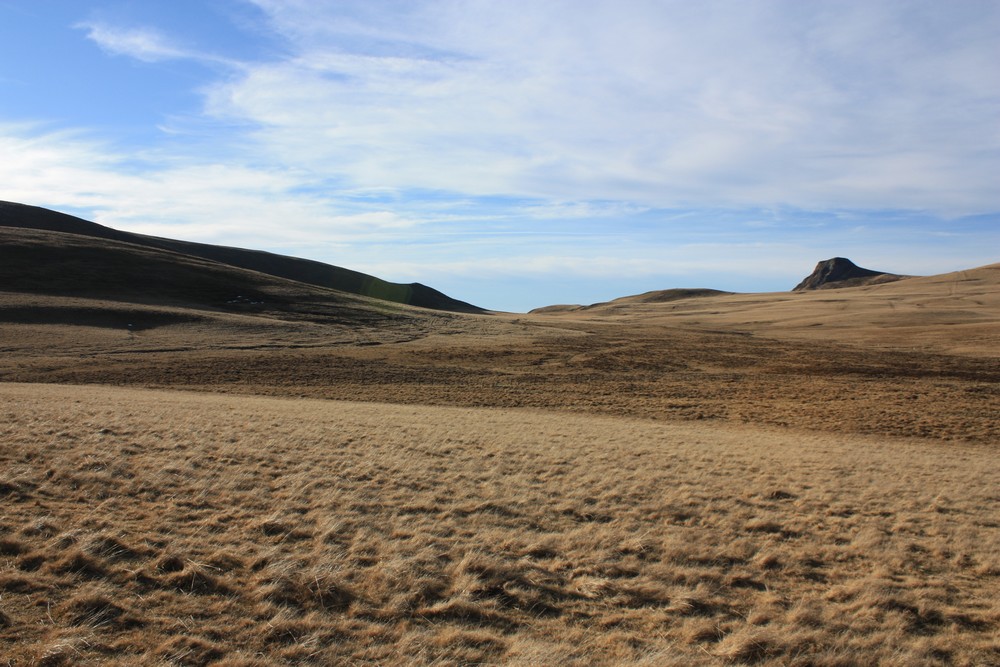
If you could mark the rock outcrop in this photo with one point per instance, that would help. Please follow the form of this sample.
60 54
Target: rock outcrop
842 272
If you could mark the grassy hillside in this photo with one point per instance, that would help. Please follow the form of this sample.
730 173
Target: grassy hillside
43 263
953 313
291 268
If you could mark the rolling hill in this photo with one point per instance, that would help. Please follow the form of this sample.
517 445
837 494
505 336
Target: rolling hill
305 271
655 296
957 313
64 278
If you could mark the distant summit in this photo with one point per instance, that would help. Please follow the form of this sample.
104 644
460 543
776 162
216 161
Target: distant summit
842 272
657 296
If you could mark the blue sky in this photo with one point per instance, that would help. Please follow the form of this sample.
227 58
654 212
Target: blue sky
521 153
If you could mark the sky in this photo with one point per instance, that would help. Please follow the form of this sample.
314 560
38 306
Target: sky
521 153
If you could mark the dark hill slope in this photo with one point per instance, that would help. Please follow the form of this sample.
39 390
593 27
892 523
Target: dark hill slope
39 263
842 272
282 266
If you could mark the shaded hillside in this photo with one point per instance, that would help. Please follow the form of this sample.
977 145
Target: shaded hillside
282 266
47 263
840 272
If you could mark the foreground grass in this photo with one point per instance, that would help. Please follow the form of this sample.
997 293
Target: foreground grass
141 527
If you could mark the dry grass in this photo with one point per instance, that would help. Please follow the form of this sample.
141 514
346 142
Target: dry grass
141 527
955 313
804 479
617 368
915 358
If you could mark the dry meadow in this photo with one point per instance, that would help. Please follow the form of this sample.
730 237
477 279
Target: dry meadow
793 479
150 527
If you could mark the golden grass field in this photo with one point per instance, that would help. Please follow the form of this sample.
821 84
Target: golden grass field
148 526
794 479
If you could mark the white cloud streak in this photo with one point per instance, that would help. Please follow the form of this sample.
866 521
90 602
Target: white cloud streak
145 44
210 202
852 104
142 44
649 103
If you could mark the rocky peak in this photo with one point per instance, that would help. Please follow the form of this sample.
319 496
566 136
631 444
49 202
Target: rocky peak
842 272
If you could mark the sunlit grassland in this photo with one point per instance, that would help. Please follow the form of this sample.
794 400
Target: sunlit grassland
141 527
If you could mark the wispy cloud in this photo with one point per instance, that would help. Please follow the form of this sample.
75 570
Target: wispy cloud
653 104
659 103
145 44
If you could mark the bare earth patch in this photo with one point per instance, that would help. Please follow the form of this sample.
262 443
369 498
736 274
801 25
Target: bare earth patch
146 527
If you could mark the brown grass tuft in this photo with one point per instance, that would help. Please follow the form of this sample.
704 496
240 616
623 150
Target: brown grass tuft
96 610
285 583
748 646
10 547
78 563
31 561
190 651
467 612
170 563
13 582
196 579
111 548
